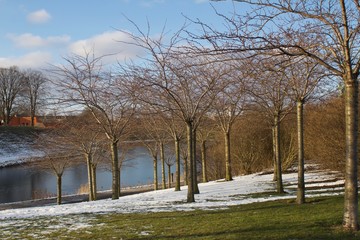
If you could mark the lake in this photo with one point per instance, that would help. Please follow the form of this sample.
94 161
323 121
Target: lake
18 183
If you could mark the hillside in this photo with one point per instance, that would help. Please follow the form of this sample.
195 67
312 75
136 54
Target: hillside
16 144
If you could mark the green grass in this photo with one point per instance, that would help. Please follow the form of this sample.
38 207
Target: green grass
319 218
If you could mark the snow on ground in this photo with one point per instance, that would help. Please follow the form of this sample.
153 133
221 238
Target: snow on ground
213 195
16 148
216 194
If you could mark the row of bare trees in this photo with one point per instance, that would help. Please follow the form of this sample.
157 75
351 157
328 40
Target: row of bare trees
20 92
272 59
170 96
327 32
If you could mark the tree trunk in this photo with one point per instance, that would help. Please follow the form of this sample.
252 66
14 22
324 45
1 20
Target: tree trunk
350 220
162 159
32 113
32 120
88 163
177 162
195 184
155 173
203 161
94 187
228 175
274 152
279 184
115 171
186 170
7 116
59 188
169 176
190 182
301 168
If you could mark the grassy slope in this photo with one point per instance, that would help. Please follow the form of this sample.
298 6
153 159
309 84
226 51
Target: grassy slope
318 219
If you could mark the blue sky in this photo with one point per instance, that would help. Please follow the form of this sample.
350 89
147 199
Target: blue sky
34 33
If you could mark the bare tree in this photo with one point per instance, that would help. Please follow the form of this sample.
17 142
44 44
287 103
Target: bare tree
86 138
153 149
304 76
205 131
34 90
329 33
85 82
175 129
154 136
57 156
228 106
185 81
271 91
11 84
170 161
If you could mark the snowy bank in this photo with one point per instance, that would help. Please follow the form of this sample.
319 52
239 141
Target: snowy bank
215 194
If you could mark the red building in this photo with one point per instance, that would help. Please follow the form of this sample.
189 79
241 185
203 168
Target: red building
23 121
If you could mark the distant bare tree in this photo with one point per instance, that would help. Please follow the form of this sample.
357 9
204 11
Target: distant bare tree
153 148
205 130
228 106
11 84
171 126
57 156
153 136
34 90
271 91
170 161
175 128
86 138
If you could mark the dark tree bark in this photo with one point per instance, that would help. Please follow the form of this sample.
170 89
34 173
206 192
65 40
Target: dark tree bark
190 175
162 160
279 182
195 184
115 170
94 181
177 162
59 188
169 175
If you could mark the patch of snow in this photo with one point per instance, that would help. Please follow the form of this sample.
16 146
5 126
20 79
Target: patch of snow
215 194
16 148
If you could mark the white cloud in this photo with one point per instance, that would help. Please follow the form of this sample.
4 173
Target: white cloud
107 43
40 16
31 60
28 40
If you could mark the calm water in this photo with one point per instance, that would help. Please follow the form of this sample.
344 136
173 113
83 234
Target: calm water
19 183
